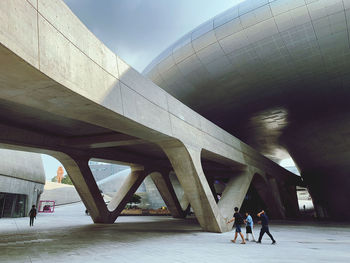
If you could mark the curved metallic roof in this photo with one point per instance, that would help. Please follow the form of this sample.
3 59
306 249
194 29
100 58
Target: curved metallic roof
261 66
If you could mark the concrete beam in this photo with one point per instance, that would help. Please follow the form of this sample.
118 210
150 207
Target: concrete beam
103 140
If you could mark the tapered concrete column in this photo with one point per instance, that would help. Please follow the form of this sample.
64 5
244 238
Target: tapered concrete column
125 193
212 188
290 200
166 190
186 162
79 172
280 211
234 193
185 204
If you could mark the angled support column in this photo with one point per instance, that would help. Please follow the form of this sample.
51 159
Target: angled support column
279 209
166 190
234 193
289 199
268 190
129 187
186 162
79 171
185 204
212 188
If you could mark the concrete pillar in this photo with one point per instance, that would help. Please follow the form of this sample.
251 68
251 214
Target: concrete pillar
185 204
294 204
79 171
212 188
280 211
125 193
186 162
166 190
290 200
234 193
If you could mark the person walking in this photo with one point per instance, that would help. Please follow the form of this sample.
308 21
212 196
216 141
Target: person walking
264 227
238 221
32 215
249 226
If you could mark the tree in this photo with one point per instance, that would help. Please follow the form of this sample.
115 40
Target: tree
67 180
136 199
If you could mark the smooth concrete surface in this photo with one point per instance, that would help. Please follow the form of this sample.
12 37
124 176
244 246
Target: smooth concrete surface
280 70
154 198
22 165
66 94
60 193
70 236
234 193
167 192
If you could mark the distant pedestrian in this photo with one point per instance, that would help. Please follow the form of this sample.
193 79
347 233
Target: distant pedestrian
264 227
249 225
32 215
238 221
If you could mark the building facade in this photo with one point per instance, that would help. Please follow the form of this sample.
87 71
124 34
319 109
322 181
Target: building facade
22 181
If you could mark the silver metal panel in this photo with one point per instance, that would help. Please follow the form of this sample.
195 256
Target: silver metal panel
228 28
204 40
256 54
181 54
210 53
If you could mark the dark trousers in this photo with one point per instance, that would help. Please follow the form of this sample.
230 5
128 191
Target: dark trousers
263 230
31 221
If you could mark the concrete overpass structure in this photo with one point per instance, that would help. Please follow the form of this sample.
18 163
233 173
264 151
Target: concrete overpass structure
63 93
280 70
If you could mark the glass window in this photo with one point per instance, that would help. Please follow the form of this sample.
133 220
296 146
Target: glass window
12 205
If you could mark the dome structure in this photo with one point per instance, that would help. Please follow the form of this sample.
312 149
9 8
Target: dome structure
275 74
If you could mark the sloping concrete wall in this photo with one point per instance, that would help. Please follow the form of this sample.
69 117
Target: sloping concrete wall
60 193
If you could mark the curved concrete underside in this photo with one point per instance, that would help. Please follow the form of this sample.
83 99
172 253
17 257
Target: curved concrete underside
63 93
276 74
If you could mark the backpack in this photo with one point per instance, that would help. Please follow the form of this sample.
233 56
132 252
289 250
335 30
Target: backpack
32 212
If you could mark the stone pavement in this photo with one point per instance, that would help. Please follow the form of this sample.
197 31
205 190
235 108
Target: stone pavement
70 236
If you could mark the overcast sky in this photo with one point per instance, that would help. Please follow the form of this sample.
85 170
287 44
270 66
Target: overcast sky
139 30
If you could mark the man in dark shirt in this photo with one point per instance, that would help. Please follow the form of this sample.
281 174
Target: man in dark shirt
238 221
264 227
32 215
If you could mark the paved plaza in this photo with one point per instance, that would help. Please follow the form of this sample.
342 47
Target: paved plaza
68 235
